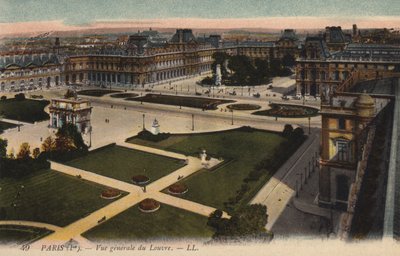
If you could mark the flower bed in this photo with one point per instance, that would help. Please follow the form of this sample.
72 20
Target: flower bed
243 106
124 95
140 179
149 205
110 193
178 189
290 111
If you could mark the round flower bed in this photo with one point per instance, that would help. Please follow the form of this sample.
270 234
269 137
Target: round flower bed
178 189
110 193
290 111
140 179
149 205
243 106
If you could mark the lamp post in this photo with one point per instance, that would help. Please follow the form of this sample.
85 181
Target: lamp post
301 180
309 125
143 122
192 122
232 117
305 175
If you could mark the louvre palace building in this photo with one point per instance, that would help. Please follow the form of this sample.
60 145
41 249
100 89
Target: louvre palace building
133 61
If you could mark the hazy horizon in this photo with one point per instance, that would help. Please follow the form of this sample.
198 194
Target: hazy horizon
32 17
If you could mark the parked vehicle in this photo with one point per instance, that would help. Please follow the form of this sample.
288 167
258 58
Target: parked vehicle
232 93
256 95
285 97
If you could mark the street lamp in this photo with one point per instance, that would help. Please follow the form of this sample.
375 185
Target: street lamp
143 122
301 180
309 125
192 122
232 116
305 175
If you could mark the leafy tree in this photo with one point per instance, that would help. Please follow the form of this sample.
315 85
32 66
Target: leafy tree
3 148
247 222
19 96
70 131
24 151
36 153
64 143
287 131
48 144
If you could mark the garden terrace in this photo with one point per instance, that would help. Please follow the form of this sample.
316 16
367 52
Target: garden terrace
288 111
242 149
192 102
168 222
123 163
25 110
50 197
96 92
15 235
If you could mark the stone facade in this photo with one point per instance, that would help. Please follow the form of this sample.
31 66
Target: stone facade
72 110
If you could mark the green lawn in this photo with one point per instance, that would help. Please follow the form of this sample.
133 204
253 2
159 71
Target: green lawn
5 126
50 197
244 149
96 92
167 222
24 110
193 102
122 163
14 235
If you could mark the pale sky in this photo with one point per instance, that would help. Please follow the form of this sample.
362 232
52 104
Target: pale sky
43 15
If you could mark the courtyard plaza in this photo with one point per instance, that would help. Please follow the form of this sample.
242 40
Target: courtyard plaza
126 120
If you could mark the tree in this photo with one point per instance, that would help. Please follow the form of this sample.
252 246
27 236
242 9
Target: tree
3 148
70 131
248 222
24 151
4 97
64 143
36 153
19 96
287 131
48 144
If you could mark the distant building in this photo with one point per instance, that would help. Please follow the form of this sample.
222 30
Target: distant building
29 70
288 44
335 38
72 110
318 69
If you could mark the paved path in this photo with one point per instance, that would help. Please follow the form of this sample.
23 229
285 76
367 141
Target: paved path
153 150
186 204
280 189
